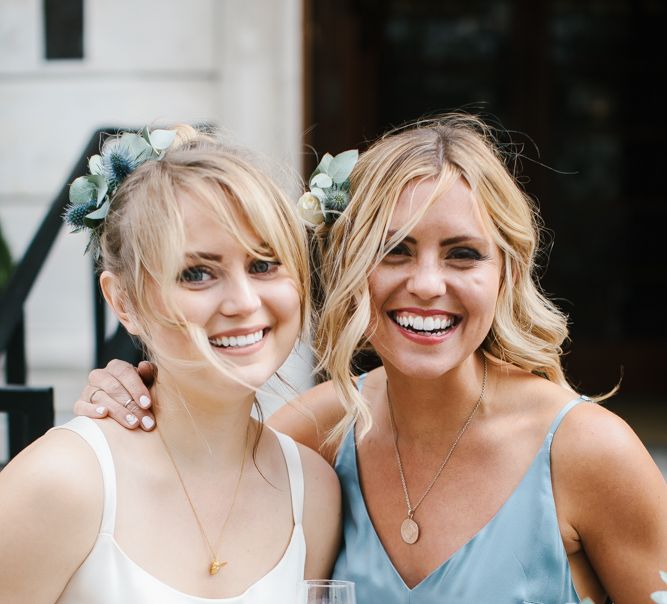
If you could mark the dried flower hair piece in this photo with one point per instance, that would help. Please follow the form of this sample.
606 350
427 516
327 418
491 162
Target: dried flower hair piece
90 195
329 188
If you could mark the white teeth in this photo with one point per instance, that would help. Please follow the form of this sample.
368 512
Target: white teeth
419 323
238 341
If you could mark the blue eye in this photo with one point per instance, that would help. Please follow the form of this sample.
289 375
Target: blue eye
263 267
195 274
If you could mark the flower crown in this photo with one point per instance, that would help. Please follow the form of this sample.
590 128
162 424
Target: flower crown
90 195
329 189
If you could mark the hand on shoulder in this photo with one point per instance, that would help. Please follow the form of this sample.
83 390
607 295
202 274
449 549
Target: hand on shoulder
51 499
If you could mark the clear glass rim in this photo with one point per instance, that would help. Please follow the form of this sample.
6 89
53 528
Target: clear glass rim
328 582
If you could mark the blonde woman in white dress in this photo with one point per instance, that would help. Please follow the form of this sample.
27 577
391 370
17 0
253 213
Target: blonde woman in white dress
204 261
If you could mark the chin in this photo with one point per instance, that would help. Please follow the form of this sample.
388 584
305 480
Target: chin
423 369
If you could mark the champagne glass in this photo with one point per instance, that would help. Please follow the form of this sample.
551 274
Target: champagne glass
316 591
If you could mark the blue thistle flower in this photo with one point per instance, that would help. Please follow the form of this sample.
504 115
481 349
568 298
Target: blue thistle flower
335 202
75 213
118 162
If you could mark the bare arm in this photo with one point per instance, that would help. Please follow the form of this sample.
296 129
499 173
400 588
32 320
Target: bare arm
308 418
615 499
49 517
321 515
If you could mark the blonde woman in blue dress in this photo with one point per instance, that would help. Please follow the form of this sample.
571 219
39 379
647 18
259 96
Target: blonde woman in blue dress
471 471
205 262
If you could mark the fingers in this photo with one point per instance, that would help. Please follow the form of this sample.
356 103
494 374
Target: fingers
86 409
125 380
147 372
117 392
127 414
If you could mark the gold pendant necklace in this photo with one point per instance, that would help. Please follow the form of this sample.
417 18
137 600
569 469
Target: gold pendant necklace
409 526
215 564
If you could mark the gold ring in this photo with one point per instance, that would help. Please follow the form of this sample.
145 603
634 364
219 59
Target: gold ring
94 392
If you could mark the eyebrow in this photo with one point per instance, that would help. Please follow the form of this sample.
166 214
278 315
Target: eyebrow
443 242
204 256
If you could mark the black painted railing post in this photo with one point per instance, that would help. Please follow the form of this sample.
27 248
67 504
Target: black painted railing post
15 361
99 318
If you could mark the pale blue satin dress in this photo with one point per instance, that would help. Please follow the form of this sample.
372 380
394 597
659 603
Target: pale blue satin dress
518 557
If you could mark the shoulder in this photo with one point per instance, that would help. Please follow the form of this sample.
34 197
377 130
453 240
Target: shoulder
51 499
321 513
591 439
321 484
58 459
611 498
309 417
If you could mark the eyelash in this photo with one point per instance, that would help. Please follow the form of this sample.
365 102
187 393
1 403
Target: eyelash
272 266
187 275
456 254
194 274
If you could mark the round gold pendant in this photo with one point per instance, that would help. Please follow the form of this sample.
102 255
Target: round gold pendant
409 531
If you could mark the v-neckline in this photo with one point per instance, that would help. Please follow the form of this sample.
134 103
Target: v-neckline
455 553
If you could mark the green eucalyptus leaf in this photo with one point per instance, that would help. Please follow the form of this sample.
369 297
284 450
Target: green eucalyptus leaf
82 190
341 165
95 165
161 139
139 147
321 180
146 135
92 220
323 166
101 186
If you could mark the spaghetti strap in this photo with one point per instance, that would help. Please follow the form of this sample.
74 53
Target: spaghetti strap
360 381
87 429
564 411
295 474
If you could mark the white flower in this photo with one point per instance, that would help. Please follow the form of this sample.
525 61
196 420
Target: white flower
309 209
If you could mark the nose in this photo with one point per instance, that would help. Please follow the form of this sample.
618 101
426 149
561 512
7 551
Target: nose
426 279
239 296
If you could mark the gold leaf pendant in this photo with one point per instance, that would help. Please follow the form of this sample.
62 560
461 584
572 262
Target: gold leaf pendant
215 566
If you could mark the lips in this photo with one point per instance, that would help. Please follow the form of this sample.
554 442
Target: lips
425 323
239 338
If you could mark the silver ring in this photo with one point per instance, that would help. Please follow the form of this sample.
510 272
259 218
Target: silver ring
127 402
93 393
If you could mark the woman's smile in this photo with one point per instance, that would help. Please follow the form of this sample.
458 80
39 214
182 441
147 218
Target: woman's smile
436 289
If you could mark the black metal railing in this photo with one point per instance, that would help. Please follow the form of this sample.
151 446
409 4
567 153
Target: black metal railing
30 410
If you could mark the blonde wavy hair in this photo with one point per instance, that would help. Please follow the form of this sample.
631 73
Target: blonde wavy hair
527 331
143 238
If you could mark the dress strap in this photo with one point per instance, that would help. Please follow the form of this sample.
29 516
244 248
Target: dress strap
564 411
294 472
87 429
360 381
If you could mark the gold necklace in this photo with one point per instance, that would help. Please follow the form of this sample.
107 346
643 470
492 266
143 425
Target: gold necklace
215 564
409 527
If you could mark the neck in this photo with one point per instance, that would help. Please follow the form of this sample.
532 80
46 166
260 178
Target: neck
430 408
202 430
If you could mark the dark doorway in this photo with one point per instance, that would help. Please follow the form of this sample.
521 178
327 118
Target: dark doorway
580 79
